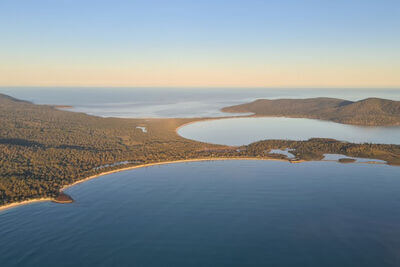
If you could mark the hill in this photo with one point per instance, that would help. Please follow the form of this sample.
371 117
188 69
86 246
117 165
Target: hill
367 112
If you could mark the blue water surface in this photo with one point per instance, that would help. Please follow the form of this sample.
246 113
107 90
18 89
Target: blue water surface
243 131
221 213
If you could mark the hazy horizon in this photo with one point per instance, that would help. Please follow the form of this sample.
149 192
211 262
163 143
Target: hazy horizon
203 87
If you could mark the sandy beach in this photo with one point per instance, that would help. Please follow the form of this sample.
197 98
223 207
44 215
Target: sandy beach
208 119
16 204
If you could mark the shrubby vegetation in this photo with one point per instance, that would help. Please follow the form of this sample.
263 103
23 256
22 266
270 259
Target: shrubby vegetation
43 149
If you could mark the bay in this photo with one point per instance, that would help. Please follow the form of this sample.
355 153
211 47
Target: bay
221 213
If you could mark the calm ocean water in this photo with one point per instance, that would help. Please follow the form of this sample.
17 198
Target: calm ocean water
174 102
223 213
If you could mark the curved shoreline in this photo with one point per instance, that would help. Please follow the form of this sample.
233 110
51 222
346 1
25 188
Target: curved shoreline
30 201
161 163
195 120
200 120
26 202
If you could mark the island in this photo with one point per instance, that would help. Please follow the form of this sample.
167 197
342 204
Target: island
346 160
44 150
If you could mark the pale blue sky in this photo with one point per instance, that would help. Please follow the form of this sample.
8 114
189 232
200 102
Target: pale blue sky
200 43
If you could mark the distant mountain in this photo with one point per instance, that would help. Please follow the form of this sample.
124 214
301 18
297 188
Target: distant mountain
368 112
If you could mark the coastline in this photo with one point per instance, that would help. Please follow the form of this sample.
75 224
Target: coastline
198 120
170 127
30 201
162 163
25 202
195 120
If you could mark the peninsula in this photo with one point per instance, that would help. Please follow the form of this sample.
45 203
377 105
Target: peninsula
366 112
44 149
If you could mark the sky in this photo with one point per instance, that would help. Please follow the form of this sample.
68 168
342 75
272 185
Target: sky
208 43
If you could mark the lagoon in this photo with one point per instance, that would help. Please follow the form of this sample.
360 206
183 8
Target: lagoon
242 131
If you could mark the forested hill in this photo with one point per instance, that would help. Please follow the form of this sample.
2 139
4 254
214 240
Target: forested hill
368 112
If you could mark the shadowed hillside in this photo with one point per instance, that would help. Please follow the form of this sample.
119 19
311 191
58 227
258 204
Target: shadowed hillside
368 112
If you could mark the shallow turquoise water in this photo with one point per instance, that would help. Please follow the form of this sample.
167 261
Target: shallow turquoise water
222 213
241 131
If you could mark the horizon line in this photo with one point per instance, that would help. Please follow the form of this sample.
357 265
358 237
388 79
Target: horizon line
200 87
